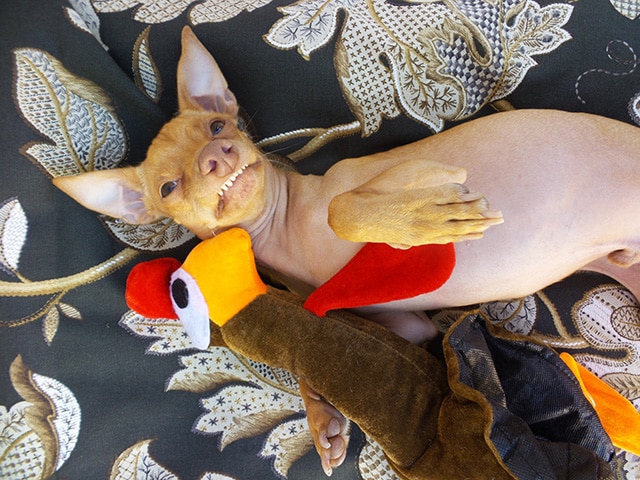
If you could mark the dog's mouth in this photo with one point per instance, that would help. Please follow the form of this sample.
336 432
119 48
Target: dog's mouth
231 180
228 186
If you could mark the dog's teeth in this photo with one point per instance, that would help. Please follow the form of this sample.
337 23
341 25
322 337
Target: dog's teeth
228 184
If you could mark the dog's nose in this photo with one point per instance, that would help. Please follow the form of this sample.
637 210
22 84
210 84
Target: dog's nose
207 166
218 157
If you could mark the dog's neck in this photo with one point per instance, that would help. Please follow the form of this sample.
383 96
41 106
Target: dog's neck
269 230
266 228
278 235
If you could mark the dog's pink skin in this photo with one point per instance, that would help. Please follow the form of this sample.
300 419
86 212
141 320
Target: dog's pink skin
567 185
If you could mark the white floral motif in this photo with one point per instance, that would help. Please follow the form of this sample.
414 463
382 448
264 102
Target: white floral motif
136 462
634 108
73 113
159 11
77 116
13 233
518 315
631 468
169 333
66 421
373 464
260 400
85 18
22 449
241 411
308 25
145 71
293 436
438 60
628 8
38 447
620 330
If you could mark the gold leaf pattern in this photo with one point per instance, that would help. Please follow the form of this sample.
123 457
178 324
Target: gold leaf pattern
286 444
518 316
169 335
627 385
70 311
64 284
244 411
22 450
593 317
160 11
628 8
145 72
163 234
136 462
626 322
83 16
53 414
50 325
422 57
72 112
205 371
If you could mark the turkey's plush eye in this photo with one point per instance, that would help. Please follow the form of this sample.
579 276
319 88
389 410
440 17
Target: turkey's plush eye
216 127
191 307
167 188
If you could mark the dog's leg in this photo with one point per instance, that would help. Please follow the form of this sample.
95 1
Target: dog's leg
415 327
413 203
623 267
329 428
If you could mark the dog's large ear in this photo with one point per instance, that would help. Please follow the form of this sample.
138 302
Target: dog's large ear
201 85
117 193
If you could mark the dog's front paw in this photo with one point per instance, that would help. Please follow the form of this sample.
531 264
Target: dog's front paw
329 429
437 215
464 215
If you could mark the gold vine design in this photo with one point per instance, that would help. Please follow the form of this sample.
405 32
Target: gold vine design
59 287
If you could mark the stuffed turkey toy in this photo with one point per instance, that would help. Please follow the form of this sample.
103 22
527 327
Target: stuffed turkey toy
470 414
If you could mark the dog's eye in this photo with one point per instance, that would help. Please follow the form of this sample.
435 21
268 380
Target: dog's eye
167 188
216 127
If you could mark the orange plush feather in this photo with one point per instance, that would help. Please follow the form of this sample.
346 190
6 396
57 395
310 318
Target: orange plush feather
618 416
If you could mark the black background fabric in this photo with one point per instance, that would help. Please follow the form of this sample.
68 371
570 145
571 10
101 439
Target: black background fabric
119 388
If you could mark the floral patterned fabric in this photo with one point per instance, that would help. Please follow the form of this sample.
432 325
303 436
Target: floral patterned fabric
89 389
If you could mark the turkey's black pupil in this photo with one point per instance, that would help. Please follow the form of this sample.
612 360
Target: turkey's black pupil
180 293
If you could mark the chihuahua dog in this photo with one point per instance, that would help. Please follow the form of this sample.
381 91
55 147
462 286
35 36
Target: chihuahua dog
567 185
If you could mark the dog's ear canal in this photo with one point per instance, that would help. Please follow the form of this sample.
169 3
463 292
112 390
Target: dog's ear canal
201 85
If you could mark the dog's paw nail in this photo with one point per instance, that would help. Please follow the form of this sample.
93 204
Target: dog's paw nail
326 466
496 214
470 196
